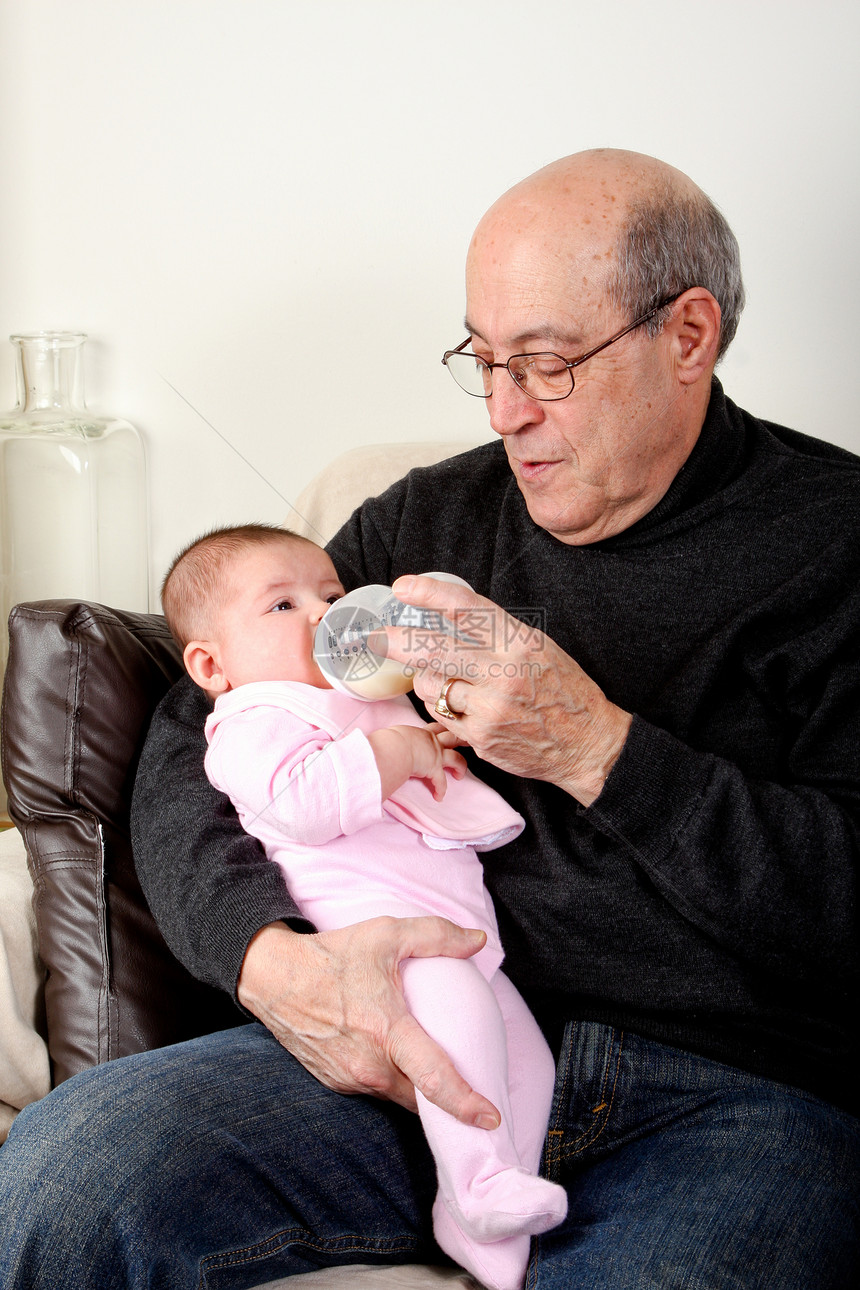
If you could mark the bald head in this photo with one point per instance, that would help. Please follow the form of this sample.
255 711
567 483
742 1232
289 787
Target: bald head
598 176
567 263
626 226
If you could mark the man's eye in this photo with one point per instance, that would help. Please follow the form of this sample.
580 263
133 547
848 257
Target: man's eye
549 365
545 365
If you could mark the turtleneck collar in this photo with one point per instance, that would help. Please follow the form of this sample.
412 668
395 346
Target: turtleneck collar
716 459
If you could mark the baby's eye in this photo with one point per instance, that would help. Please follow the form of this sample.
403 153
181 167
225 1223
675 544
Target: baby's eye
281 605
331 600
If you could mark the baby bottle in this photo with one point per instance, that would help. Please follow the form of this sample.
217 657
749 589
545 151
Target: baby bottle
340 644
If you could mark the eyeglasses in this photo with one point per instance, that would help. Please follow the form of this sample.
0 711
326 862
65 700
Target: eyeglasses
545 377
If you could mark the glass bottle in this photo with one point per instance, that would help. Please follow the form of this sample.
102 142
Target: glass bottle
340 642
73 502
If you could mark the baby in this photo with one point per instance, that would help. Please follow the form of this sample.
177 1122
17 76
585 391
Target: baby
368 813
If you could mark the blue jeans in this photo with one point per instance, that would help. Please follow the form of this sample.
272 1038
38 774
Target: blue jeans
221 1164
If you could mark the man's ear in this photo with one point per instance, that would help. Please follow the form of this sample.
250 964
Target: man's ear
203 666
695 331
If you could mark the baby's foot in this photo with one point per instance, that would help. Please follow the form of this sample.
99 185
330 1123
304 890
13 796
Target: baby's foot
511 1202
498 1265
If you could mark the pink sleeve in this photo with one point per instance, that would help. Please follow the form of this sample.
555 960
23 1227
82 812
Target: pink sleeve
292 777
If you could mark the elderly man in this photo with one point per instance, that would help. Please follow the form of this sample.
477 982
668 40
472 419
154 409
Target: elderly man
662 675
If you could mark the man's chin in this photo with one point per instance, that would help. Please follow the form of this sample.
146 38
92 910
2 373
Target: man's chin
572 520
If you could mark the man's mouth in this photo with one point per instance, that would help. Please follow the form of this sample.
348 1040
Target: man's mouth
530 470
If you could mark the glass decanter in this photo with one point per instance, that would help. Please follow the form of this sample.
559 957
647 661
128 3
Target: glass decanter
73 501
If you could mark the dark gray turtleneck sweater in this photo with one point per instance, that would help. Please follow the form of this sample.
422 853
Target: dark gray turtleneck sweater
708 898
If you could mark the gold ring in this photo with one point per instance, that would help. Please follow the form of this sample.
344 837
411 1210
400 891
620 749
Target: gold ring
441 707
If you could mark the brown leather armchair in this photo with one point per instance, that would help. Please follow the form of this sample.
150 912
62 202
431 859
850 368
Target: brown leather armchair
81 684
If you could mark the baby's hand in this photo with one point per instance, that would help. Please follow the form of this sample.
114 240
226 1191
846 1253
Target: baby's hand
430 759
414 752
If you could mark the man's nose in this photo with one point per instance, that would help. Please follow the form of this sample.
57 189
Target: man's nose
509 408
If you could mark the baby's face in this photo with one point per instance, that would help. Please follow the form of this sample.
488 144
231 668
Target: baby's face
265 630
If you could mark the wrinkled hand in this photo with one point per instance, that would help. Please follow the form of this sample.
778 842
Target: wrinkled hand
334 1001
525 705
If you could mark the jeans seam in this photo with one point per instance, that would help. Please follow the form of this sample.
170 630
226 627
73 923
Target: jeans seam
557 1152
554 1136
590 1136
299 1236
532 1268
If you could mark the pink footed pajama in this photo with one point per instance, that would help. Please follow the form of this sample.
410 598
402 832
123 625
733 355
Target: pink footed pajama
296 762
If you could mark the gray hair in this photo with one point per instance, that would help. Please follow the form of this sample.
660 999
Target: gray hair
668 243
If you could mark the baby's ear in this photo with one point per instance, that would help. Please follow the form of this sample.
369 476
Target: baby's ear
203 666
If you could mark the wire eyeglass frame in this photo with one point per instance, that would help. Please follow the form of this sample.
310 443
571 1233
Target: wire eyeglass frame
568 364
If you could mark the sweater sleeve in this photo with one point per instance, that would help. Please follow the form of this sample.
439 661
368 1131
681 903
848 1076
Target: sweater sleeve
765 865
208 883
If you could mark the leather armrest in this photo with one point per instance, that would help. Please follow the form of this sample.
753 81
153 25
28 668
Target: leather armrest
81 684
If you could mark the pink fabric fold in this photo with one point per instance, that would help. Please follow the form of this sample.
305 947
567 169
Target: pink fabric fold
470 814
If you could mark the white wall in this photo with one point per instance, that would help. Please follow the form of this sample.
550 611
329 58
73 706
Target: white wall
258 209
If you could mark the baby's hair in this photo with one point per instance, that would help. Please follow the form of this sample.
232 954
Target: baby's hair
196 582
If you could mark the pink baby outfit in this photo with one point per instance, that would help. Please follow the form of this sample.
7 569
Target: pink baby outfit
297 764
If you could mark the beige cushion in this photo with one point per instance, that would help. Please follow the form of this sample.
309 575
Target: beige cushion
332 496
24 1072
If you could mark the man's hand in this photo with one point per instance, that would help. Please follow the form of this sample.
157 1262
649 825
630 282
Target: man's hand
524 705
334 1000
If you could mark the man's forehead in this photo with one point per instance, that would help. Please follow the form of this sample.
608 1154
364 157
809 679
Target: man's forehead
555 240
528 294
